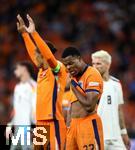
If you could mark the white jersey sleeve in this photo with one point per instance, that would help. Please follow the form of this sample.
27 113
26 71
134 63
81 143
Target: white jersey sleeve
119 90
120 94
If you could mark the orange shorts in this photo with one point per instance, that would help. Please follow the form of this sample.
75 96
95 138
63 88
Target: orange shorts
85 134
57 135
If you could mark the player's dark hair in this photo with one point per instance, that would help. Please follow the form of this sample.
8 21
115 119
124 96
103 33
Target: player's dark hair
70 51
51 46
28 66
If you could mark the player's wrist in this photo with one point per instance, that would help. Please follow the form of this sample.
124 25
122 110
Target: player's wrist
33 32
24 33
123 131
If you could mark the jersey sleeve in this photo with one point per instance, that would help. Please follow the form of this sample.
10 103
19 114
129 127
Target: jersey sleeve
120 94
30 46
45 51
62 71
94 82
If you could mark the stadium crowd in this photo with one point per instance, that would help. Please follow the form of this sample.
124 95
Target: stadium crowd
91 25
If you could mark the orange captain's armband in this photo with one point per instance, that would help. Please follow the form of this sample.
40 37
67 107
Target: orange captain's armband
56 69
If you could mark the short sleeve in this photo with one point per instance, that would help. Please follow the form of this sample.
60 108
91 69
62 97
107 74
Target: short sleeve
120 94
94 82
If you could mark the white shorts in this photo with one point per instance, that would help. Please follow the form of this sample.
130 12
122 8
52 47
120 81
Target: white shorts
116 144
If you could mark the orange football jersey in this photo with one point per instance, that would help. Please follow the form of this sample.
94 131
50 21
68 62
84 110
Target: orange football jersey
50 91
50 87
90 80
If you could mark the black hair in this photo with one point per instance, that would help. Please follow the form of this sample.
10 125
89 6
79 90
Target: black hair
28 66
51 46
70 51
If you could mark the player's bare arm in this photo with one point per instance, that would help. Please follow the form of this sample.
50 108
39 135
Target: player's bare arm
88 101
123 128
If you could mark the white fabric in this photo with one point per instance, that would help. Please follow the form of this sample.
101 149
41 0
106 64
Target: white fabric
110 100
114 145
24 101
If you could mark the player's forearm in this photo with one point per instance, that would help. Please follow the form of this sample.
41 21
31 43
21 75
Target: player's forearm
124 133
68 119
88 104
44 49
121 118
80 96
30 46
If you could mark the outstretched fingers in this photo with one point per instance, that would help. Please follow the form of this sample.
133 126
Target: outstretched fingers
20 20
30 19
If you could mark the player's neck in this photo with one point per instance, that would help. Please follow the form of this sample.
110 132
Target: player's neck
25 78
83 69
105 76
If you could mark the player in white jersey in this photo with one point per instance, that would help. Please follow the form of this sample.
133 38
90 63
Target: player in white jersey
24 101
109 109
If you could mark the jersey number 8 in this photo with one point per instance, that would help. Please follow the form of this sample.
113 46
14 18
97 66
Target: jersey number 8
109 101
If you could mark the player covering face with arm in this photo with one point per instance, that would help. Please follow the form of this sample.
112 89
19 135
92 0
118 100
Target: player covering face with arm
85 130
76 67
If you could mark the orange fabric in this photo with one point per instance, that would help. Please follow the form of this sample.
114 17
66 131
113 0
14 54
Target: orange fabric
66 98
50 89
30 46
91 80
44 49
48 105
55 126
45 86
69 96
66 95
61 78
46 108
85 133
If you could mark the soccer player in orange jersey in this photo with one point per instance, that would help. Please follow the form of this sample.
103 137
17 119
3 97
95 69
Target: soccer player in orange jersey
51 83
85 131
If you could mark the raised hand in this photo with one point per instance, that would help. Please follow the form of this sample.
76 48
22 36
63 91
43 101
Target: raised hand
21 25
31 27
